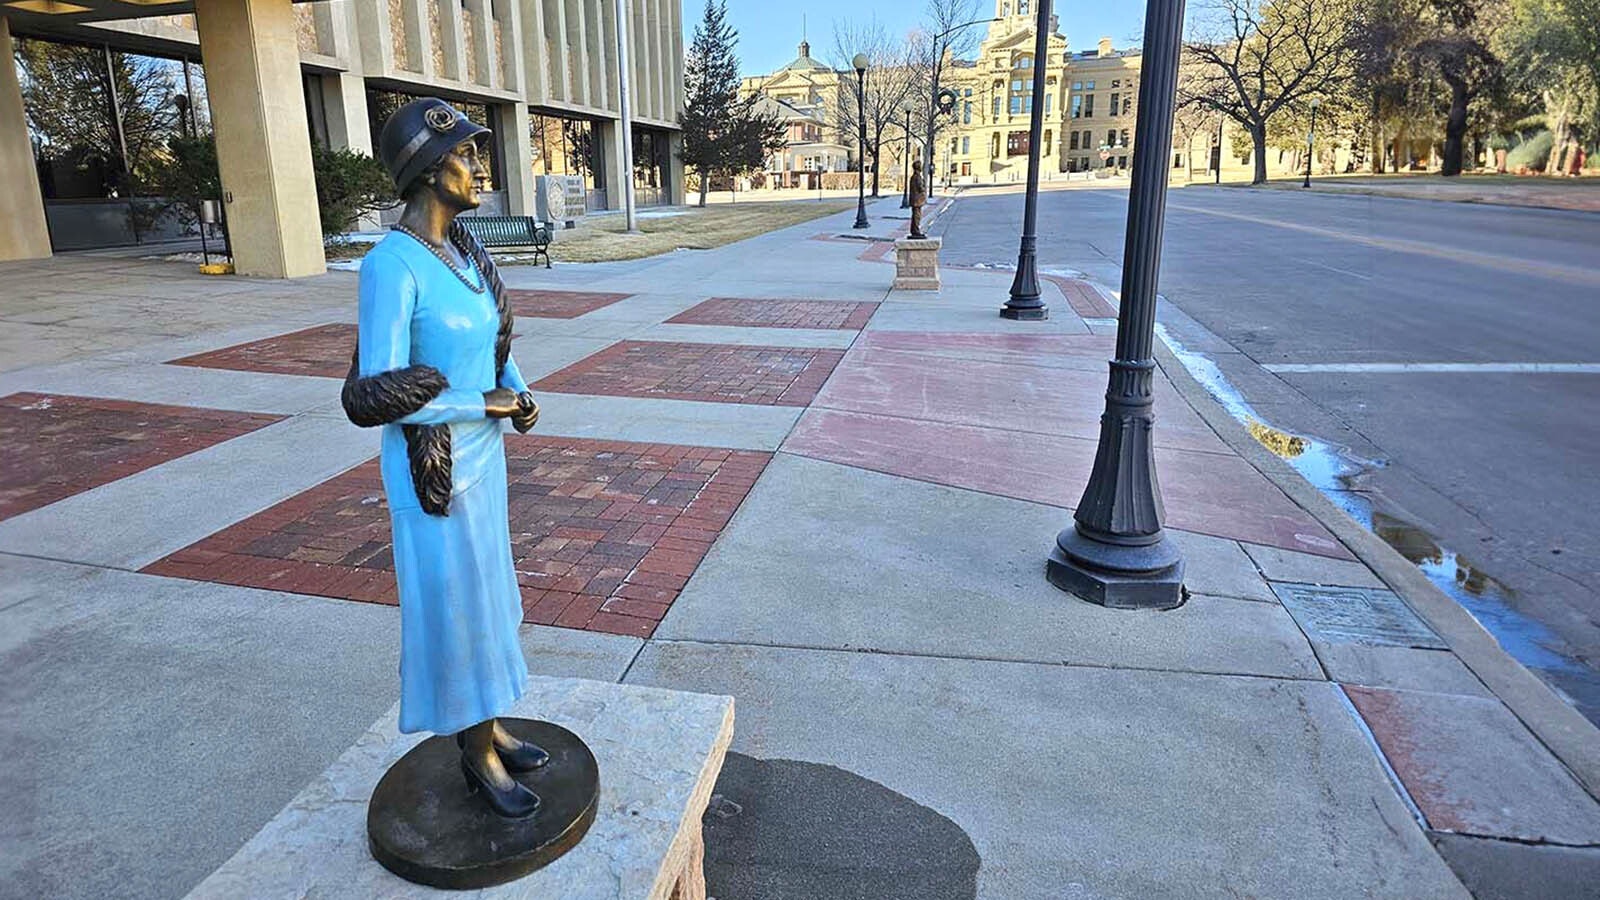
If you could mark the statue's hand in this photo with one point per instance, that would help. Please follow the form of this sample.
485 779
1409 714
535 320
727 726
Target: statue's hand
501 403
527 414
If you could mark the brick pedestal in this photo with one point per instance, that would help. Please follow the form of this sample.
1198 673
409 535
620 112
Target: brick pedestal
916 264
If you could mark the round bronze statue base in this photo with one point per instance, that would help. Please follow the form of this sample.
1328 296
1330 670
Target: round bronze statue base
424 826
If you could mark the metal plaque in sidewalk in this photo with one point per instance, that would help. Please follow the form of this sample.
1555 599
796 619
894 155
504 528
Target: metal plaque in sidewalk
1354 615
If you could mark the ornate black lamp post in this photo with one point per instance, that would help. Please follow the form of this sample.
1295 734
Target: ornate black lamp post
1116 554
905 184
1025 303
860 62
1311 137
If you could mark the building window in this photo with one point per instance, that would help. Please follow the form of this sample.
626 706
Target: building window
1127 103
1022 7
1047 143
966 111
966 168
1088 106
994 145
1177 161
1124 137
1088 85
1016 143
1116 83
1088 140
1122 162
566 146
1111 139
1021 97
1077 106
966 146
1047 104
1077 85
1025 61
994 113
1073 143
953 145
1115 103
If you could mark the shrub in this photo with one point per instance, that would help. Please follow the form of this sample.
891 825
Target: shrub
349 185
1531 154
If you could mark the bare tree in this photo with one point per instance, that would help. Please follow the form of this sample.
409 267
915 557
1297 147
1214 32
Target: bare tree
1254 57
890 79
943 39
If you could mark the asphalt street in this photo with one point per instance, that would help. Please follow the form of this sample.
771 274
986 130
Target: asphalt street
1442 358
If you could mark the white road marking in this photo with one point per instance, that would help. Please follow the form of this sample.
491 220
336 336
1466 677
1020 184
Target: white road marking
1333 268
1522 368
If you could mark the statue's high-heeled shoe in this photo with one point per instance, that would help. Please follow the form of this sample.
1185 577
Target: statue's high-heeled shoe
516 803
524 757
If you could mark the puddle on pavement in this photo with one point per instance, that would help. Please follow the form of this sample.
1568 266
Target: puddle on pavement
1338 473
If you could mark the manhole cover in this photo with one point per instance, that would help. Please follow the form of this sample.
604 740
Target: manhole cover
1350 615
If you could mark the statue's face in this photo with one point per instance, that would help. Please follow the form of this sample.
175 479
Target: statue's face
461 175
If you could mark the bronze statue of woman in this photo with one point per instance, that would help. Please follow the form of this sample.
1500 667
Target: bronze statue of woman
433 366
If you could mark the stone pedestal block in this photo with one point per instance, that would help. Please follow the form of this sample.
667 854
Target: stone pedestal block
659 753
916 264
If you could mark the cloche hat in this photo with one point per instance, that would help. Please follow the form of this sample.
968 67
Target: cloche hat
418 134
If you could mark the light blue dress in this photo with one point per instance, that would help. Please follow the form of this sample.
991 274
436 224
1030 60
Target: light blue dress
460 661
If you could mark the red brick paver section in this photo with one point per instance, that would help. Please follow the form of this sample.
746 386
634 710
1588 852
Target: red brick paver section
323 350
56 446
559 304
1083 298
720 373
830 314
604 534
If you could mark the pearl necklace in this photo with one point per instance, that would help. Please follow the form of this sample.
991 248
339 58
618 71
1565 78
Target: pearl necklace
438 251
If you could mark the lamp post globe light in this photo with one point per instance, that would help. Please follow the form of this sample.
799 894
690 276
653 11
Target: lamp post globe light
860 64
1311 137
1115 552
1024 304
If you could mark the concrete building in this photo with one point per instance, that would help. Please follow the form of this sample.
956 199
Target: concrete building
271 76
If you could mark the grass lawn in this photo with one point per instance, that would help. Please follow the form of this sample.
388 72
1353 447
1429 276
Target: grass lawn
601 239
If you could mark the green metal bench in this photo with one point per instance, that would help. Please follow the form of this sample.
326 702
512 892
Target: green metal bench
512 231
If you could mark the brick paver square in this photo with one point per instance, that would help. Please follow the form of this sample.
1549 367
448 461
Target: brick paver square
559 304
323 350
604 534
830 314
719 373
56 446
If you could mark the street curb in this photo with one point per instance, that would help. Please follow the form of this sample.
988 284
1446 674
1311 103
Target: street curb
1570 737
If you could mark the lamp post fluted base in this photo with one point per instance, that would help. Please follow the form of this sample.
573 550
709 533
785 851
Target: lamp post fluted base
1024 304
1117 576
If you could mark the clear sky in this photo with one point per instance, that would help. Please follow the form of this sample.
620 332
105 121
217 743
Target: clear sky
769 32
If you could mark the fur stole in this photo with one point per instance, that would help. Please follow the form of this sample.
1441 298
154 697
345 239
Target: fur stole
388 396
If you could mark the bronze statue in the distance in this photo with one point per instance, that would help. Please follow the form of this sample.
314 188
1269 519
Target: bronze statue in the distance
489 798
919 198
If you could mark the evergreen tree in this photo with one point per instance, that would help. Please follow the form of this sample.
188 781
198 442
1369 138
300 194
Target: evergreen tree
722 134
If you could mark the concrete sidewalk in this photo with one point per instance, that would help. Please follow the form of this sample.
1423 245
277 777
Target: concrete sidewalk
759 472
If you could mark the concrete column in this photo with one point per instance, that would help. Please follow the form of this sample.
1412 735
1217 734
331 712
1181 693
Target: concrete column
610 133
453 36
23 234
263 146
515 147
672 178
344 101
